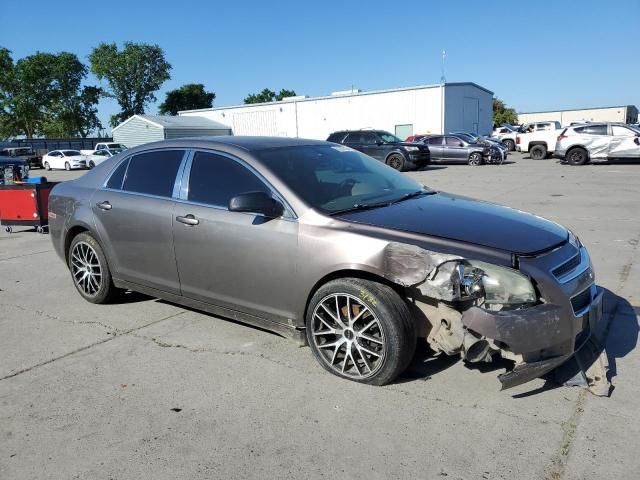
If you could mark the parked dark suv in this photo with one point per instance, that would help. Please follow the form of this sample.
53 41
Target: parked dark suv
385 147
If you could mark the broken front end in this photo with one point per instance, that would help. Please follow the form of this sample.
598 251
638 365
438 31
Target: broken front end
543 312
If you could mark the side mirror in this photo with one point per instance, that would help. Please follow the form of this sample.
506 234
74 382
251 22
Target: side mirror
256 202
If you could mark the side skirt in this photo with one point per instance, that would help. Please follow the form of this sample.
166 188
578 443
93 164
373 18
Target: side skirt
288 331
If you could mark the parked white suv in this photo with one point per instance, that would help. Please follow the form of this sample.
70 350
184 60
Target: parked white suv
539 139
581 143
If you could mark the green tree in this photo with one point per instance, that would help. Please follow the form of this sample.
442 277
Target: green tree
188 97
42 95
133 75
267 95
502 114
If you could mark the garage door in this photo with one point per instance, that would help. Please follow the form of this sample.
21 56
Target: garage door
255 123
471 114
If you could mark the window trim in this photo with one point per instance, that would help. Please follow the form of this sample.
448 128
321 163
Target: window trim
128 158
183 190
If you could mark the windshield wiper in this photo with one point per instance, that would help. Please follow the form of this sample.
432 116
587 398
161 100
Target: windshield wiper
369 206
417 193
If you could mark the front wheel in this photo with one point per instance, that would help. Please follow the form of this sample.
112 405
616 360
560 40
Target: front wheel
360 330
47 166
67 166
396 161
91 164
577 156
475 159
89 269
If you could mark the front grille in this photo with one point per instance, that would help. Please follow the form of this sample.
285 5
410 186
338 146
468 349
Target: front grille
567 266
581 301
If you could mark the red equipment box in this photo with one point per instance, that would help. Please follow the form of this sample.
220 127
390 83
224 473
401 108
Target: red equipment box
26 205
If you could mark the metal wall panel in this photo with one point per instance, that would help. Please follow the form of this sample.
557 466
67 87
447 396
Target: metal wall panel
193 132
137 132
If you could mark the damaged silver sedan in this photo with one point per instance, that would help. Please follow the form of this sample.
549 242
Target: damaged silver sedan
321 243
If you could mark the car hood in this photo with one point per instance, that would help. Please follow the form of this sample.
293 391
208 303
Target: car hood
466 220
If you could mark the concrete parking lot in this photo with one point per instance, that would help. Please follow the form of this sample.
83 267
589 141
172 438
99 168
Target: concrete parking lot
147 389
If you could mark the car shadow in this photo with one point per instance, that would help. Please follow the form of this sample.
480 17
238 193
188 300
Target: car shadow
430 167
129 296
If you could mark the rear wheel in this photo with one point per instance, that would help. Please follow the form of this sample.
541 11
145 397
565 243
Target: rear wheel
577 156
91 164
538 152
509 144
475 159
47 166
360 330
396 161
67 166
89 269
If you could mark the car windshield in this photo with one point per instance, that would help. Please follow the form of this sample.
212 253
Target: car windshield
467 137
70 153
336 178
389 138
634 128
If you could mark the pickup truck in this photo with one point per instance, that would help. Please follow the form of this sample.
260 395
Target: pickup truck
538 139
111 147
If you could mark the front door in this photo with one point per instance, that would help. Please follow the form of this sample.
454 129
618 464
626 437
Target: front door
624 143
455 150
241 261
134 219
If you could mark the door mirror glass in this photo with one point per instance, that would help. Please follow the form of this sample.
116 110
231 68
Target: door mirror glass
256 202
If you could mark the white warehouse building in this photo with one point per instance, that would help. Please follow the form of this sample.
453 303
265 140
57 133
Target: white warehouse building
624 114
451 107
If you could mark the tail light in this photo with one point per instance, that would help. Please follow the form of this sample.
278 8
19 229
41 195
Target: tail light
518 139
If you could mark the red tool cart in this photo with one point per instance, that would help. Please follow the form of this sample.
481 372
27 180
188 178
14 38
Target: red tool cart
25 204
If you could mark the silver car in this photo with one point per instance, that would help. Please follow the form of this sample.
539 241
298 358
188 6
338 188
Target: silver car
580 144
324 244
462 148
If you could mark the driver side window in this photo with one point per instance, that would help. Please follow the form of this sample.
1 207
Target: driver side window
215 179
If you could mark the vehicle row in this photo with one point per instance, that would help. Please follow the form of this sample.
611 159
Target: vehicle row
419 150
76 159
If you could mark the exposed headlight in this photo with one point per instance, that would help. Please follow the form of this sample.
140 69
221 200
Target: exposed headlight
492 286
411 149
574 240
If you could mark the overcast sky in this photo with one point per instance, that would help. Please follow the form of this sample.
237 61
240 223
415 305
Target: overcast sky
534 55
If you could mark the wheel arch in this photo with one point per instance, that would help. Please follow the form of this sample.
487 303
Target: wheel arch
348 273
73 232
538 142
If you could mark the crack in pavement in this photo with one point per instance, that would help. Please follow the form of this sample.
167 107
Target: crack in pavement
87 347
24 255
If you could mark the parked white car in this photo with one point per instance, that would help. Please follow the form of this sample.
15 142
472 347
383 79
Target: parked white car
96 157
507 135
539 139
64 159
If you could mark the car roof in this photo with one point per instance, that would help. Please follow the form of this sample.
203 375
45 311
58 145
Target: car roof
247 143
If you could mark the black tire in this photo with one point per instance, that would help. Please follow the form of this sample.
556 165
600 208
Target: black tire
47 166
396 161
394 331
91 164
509 144
577 156
538 152
106 290
67 166
475 159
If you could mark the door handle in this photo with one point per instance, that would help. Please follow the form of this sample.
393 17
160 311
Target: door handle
189 220
104 205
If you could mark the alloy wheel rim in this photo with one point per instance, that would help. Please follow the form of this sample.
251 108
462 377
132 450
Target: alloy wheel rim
474 159
86 268
394 162
348 336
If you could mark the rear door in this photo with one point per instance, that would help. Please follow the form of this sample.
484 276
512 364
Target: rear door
237 260
624 143
134 218
595 138
435 147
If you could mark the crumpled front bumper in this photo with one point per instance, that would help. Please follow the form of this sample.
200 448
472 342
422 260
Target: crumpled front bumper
545 337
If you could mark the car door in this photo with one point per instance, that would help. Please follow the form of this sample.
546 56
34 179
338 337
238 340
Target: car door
374 146
596 138
355 140
624 143
435 147
133 215
455 150
237 260
54 158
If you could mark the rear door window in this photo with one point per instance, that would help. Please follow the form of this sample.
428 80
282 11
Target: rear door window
115 181
214 179
153 173
595 130
354 138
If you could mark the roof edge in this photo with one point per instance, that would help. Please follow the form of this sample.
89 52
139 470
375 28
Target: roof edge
324 97
131 118
578 109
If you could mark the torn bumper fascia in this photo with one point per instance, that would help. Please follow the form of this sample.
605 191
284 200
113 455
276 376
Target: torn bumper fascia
535 329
